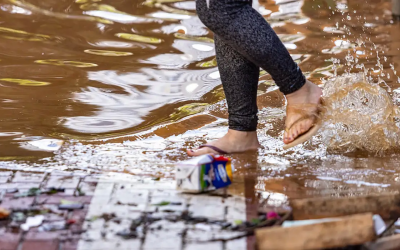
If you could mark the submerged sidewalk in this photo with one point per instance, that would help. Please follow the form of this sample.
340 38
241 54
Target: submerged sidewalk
76 211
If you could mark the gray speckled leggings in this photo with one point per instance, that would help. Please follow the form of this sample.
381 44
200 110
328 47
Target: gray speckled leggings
244 42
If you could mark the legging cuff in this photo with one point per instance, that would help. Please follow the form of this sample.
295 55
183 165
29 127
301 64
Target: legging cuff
243 123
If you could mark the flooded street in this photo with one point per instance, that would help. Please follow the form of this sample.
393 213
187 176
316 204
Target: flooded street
129 85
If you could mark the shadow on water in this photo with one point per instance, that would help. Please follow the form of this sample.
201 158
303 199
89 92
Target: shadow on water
130 84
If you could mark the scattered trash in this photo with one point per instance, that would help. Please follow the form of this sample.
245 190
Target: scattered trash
127 234
273 215
53 190
71 221
53 226
136 223
204 173
4 213
34 221
69 205
127 204
18 217
108 216
166 203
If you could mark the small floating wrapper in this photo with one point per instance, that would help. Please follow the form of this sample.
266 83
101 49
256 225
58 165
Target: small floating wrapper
204 173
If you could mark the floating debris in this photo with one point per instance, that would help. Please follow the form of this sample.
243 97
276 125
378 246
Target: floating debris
107 52
25 36
25 82
66 63
139 38
193 38
208 64
47 144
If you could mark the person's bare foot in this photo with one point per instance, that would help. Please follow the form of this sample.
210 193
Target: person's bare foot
308 94
233 142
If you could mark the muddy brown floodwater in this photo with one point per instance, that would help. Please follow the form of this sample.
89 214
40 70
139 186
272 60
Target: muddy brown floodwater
128 85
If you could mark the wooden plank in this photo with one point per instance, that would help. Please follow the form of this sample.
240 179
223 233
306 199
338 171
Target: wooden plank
349 230
386 243
386 205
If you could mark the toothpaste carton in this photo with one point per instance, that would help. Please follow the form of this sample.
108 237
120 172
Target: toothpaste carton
204 173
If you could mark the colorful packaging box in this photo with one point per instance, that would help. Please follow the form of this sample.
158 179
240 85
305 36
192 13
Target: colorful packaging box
204 173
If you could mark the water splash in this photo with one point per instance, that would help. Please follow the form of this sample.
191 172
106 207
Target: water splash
359 115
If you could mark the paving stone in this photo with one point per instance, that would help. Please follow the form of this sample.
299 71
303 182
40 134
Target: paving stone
52 216
129 196
121 211
94 229
41 240
70 245
78 215
9 241
63 181
28 177
156 185
203 246
5 176
196 235
216 212
160 240
236 208
207 206
179 203
92 178
88 188
112 227
239 244
23 203
128 199
104 189
207 200
109 245
21 186
167 225
62 173
56 199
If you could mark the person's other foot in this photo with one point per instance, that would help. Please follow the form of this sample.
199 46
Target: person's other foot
233 142
308 94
